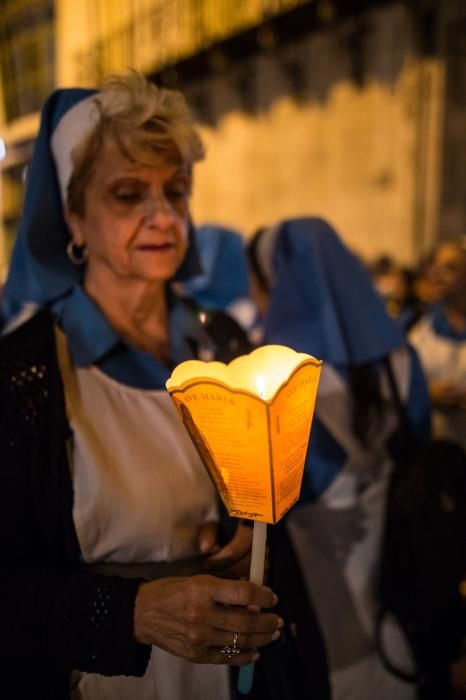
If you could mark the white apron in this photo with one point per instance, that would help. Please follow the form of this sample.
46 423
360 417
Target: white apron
140 495
443 360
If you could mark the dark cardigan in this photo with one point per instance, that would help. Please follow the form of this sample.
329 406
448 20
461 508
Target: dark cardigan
55 615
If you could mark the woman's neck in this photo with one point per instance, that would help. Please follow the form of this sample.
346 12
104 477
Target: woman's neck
137 311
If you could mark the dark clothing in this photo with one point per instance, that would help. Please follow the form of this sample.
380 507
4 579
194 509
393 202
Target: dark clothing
56 615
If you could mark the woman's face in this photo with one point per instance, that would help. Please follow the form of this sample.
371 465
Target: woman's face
448 271
135 223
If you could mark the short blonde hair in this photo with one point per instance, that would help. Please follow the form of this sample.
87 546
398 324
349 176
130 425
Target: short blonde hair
146 122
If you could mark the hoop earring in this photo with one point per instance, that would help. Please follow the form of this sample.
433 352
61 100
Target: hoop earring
76 253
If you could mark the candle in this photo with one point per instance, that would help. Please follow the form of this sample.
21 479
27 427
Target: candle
250 422
256 575
260 383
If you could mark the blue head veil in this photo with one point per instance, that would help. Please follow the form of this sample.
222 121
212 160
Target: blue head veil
225 272
323 301
40 270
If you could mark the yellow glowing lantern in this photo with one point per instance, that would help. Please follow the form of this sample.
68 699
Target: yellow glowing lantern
250 421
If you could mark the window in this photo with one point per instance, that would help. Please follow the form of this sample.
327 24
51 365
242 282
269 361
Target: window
27 56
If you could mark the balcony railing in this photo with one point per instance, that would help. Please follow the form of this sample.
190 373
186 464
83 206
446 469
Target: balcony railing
172 30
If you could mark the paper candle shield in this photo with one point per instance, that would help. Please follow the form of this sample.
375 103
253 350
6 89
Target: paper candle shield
250 421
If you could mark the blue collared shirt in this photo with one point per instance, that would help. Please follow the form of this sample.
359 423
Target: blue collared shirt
442 325
93 341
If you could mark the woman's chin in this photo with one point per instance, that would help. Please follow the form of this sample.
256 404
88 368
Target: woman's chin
156 267
162 273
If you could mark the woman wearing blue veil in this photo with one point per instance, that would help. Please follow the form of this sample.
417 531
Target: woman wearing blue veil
295 666
317 298
109 523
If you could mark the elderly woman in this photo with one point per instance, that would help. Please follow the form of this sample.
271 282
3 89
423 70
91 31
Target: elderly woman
107 515
317 298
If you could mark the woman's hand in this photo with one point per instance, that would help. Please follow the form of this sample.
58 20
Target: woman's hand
232 560
196 617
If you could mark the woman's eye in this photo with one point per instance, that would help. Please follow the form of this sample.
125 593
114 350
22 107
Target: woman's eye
127 195
177 193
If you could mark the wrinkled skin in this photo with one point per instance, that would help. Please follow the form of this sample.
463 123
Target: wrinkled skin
195 617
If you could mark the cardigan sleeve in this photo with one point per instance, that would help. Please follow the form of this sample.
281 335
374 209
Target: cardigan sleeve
56 615
70 619
66 618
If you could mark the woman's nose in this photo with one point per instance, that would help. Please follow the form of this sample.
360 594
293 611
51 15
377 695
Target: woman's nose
158 210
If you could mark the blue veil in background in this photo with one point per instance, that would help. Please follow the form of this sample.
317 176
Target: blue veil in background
323 301
224 279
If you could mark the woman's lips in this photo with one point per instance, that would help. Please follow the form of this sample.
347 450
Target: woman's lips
156 247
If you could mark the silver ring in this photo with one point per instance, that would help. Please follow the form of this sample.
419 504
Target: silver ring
229 652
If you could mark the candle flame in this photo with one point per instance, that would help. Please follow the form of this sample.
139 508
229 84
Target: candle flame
260 382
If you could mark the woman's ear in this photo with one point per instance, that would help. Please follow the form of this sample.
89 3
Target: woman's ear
74 223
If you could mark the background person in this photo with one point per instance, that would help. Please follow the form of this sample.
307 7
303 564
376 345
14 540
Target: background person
320 300
440 339
285 670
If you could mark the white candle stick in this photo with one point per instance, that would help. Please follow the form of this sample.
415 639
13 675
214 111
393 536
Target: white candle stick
259 537
256 575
